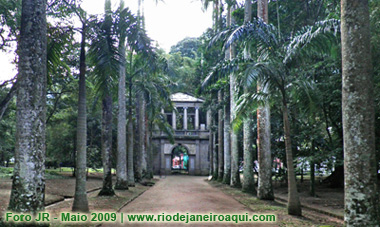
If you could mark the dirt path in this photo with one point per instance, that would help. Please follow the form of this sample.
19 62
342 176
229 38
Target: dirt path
185 194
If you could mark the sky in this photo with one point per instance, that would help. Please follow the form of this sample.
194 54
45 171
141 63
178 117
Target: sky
167 22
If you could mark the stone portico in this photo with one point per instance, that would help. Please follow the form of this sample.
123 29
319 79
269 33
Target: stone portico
190 152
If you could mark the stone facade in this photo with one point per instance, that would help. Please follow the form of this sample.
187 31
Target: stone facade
190 126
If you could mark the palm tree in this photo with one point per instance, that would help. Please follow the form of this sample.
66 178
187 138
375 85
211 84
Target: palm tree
226 117
158 98
80 198
360 167
220 137
227 109
105 58
124 21
138 63
131 175
249 180
273 69
264 189
28 186
142 155
217 152
152 92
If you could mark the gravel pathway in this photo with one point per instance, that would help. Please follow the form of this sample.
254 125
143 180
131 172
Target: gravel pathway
185 194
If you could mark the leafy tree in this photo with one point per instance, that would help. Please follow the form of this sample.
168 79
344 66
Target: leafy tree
187 47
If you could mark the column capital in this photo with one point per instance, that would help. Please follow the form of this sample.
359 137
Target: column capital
185 107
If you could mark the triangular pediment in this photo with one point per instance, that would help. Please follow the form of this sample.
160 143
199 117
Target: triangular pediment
182 97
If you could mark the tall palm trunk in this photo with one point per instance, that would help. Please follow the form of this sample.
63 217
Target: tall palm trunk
131 173
121 165
248 178
220 138
227 145
235 175
149 167
142 155
264 189
294 205
107 189
80 198
361 193
215 152
137 154
143 134
211 143
226 120
28 186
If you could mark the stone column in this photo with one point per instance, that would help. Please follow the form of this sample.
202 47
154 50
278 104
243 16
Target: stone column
174 120
184 118
196 118
208 119
155 125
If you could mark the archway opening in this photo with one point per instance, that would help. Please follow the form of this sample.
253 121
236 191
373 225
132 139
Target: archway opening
180 159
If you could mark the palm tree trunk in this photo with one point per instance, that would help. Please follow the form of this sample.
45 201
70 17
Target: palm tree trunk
227 145
264 189
215 152
107 189
121 165
294 205
131 175
360 168
235 175
149 167
28 186
130 172
227 126
80 198
143 134
137 154
220 139
142 154
211 143
216 15
248 178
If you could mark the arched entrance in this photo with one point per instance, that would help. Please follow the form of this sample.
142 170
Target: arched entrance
180 159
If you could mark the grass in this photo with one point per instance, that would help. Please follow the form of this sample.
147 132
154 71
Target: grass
7 172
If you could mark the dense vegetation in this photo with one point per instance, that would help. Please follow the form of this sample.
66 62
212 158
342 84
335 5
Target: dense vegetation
269 69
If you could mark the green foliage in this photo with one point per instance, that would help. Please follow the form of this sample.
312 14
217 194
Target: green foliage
187 47
7 130
10 19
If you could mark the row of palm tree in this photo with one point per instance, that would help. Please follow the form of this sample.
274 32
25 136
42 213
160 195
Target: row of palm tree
267 69
119 58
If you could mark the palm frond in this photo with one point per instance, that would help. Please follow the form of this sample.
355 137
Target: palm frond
103 55
319 37
165 127
256 30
